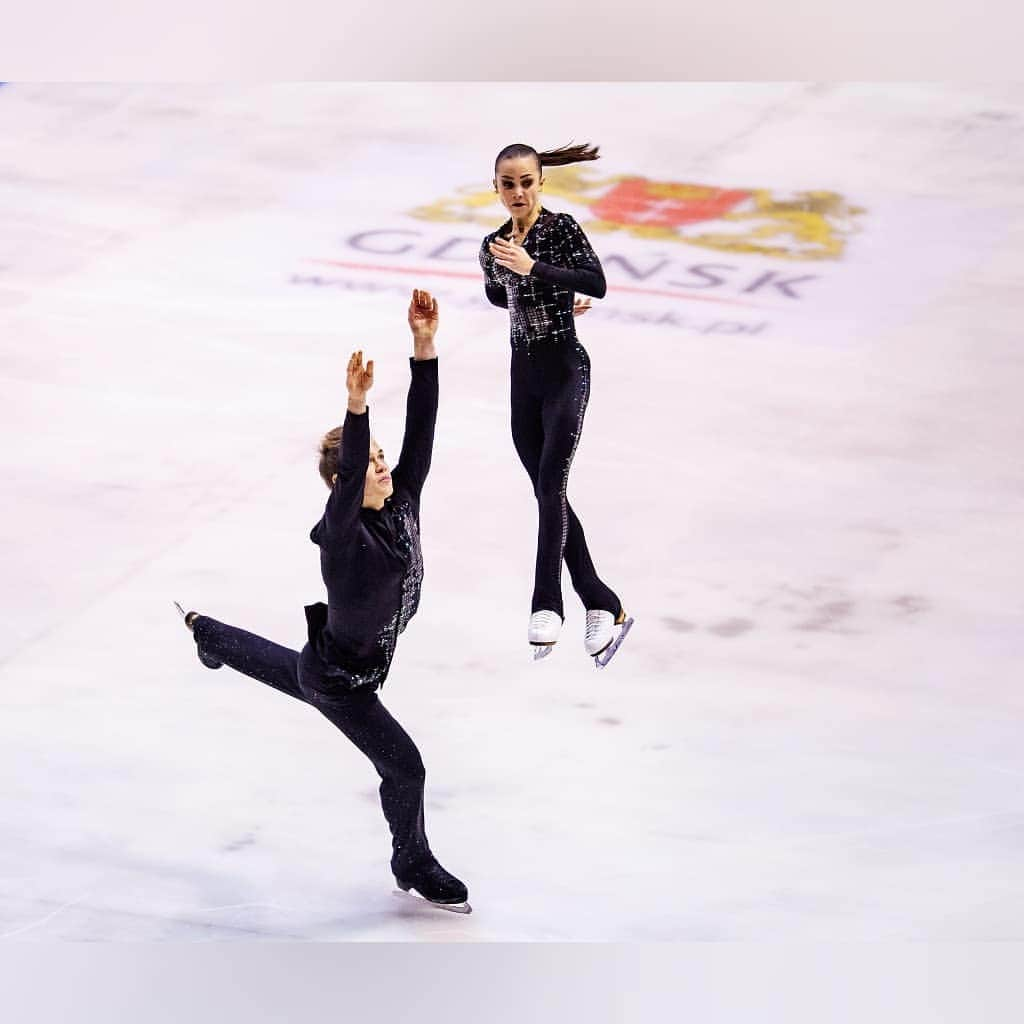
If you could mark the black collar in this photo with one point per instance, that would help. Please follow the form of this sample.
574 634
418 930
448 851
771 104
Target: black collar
545 217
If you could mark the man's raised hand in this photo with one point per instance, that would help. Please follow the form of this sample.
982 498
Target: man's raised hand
423 317
423 320
358 380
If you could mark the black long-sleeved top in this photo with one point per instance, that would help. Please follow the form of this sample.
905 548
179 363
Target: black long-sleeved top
371 560
540 303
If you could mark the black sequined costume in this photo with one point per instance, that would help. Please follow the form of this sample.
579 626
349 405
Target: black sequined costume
550 388
372 565
371 561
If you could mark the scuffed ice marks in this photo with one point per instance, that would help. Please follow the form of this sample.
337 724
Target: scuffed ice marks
829 616
911 604
241 843
815 608
731 627
678 625
829 608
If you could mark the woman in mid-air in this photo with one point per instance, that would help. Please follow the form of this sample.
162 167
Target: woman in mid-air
533 265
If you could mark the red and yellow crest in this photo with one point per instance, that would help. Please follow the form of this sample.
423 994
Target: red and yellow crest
810 225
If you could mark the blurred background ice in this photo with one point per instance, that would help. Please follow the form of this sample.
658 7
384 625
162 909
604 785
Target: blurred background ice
809 495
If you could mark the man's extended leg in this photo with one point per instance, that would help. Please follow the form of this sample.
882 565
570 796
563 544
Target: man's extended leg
248 653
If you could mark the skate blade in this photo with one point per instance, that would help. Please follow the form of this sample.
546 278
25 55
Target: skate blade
453 908
541 650
181 611
602 659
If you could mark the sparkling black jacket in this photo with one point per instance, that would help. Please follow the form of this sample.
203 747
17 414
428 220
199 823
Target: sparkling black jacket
540 304
372 561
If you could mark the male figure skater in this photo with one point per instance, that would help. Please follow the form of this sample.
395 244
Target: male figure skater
372 565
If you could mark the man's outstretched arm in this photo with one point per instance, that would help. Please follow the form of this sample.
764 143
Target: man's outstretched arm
346 498
421 405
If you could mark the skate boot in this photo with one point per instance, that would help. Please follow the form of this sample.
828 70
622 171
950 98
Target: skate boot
189 618
543 634
604 634
435 885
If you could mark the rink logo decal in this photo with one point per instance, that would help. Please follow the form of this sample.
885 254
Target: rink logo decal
806 225
375 260
644 273
784 286
649 235
372 285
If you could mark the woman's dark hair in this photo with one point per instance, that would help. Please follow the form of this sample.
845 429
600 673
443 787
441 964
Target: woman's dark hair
571 154
330 455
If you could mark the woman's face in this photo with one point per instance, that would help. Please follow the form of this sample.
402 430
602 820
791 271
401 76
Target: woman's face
519 184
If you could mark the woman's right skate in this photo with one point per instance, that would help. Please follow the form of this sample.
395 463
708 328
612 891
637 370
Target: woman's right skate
604 634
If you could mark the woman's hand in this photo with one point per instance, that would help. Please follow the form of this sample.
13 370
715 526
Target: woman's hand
514 257
581 306
359 380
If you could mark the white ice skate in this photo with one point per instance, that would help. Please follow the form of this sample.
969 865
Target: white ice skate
604 634
544 629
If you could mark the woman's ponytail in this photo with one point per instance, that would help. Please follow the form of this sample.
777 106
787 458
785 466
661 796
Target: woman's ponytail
571 154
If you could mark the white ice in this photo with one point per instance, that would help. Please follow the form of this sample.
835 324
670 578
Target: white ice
813 731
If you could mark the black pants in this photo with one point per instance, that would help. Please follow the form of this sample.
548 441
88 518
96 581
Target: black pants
550 391
359 715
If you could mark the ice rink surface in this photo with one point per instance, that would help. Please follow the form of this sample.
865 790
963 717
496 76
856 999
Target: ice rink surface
801 468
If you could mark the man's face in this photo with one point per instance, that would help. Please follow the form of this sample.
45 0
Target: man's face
378 478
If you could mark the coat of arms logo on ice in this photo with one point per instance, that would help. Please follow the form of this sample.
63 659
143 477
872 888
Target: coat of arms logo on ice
804 225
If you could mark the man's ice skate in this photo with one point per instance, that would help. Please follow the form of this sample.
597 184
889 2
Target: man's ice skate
189 618
543 634
604 634
431 884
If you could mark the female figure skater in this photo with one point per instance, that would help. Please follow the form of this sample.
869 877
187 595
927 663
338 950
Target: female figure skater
372 565
533 264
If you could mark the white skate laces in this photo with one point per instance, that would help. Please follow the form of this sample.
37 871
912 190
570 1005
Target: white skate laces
544 628
603 637
600 632
605 633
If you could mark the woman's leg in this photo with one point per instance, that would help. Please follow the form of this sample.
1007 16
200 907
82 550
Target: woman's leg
529 437
562 532
593 592
546 433
249 654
